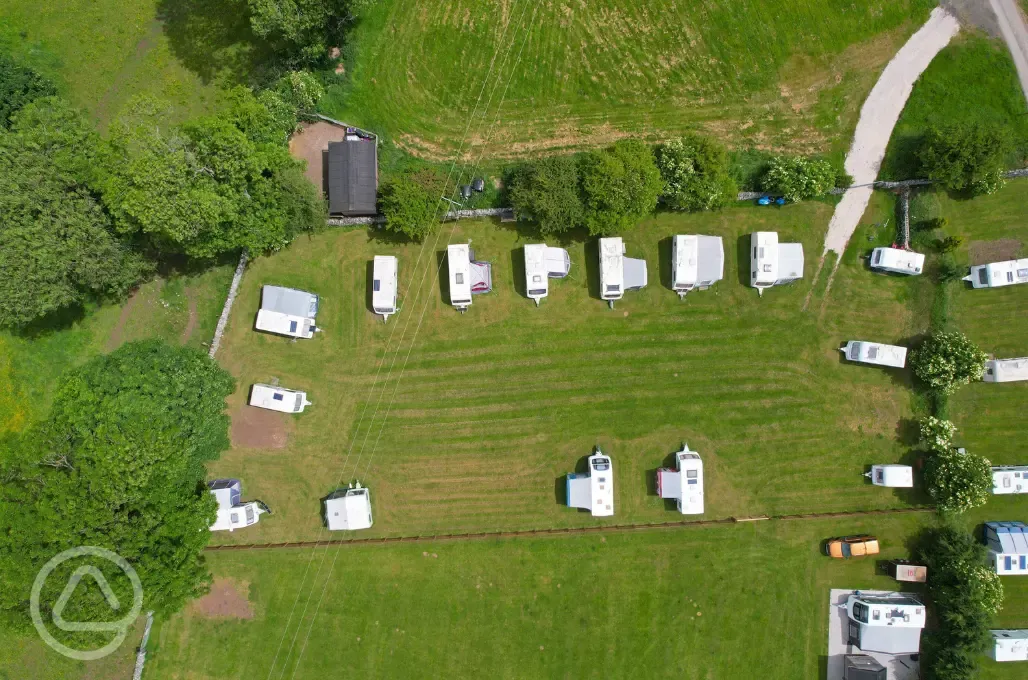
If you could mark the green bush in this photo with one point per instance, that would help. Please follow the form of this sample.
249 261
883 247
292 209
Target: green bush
947 360
410 203
695 173
19 85
620 186
798 178
936 433
965 157
546 191
958 482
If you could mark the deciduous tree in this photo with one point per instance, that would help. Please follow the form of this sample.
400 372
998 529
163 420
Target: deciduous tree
965 156
958 481
797 178
946 360
546 191
410 203
695 173
19 85
620 186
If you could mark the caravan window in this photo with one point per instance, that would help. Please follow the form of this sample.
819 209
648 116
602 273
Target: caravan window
537 291
983 276
613 288
1010 277
1007 563
767 268
878 256
459 276
761 253
692 474
860 612
1022 273
292 326
277 397
377 285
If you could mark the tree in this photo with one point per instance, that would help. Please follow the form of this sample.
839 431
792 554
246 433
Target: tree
695 173
57 249
212 185
620 186
304 29
936 433
409 203
798 178
965 156
119 463
546 191
947 360
301 90
958 481
19 85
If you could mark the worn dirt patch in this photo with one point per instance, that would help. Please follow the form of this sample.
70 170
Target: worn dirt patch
984 252
187 332
228 599
256 428
310 143
118 332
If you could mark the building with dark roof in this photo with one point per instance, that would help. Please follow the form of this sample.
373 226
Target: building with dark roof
863 667
352 177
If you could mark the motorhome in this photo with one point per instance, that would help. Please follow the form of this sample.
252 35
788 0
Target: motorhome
594 489
349 509
773 263
897 261
617 272
697 262
876 353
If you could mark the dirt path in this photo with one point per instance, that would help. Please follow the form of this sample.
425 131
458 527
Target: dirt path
1015 32
104 112
118 332
187 332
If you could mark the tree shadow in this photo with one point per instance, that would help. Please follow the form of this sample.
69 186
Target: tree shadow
213 39
54 322
379 234
908 432
664 247
592 267
369 287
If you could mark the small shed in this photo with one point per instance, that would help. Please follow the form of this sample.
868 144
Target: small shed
278 399
891 475
232 512
897 261
353 176
543 263
383 285
287 311
349 509
593 490
876 353
1009 479
684 484
467 276
617 272
1007 547
1009 645
998 274
773 263
1006 370
697 262
863 667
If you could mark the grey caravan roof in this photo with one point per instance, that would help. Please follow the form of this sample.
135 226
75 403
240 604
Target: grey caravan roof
352 177
289 301
888 639
710 258
635 273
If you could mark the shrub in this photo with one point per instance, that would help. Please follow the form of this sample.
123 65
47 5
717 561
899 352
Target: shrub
695 174
958 481
620 186
965 156
843 180
931 224
302 90
19 86
798 178
409 203
947 360
936 433
948 244
546 191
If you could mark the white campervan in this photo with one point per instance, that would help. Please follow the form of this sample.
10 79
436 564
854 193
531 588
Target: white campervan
684 484
349 509
998 274
773 263
897 260
593 490
543 263
696 262
1006 370
617 272
278 399
287 311
875 353
383 286
1009 479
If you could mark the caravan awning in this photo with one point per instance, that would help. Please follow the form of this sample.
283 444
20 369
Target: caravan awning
481 277
635 273
579 492
669 483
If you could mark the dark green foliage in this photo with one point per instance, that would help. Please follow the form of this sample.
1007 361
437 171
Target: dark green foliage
546 191
119 463
410 203
797 178
620 186
695 173
965 156
946 360
843 180
932 224
950 271
19 85
56 246
948 244
303 30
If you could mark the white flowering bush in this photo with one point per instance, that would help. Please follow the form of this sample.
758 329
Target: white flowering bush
958 482
695 174
936 433
301 89
797 178
945 361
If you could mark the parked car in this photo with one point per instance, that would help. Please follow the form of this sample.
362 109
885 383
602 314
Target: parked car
845 547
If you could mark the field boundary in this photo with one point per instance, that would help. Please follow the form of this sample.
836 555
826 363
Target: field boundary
233 290
566 531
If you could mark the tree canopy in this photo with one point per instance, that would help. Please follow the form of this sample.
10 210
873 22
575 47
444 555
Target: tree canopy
19 85
696 175
797 178
620 186
410 201
303 30
965 156
958 481
546 191
57 249
117 464
944 361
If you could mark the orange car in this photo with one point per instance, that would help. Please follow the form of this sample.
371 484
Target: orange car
845 547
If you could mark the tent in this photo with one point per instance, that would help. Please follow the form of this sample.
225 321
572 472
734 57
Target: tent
875 353
896 476
383 285
1006 370
897 260
232 512
593 490
998 274
278 399
348 509
1009 479
684 484
1007 546
773 263
696 262
287 311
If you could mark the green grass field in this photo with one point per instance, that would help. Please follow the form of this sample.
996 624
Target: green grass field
790 74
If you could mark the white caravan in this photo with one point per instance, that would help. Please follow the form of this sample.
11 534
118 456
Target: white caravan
998 274
1006 370
383 286
895 476
885 622
1007 546
287 311
467 276
875 353
1009 479
897 261
773 263
232 512
617 272
1009 645
278 399
684 484
348 509
593 490
696 262
543 263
